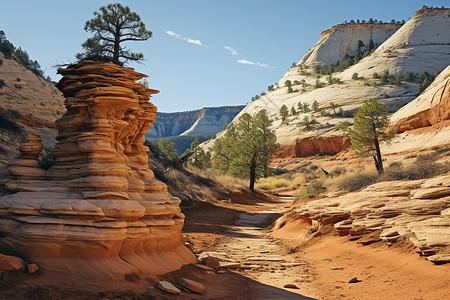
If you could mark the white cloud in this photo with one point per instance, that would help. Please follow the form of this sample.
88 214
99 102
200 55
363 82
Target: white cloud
189 40
171 33
248 62
196 42
232 51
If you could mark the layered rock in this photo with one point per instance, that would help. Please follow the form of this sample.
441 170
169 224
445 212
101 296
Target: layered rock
343 39
430 108
208 120
99 212
415 210
312 146
421 44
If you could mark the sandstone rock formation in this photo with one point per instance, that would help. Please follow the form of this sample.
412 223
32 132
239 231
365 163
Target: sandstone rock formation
98 212
430 108
421 44
417 210
343 39
28 102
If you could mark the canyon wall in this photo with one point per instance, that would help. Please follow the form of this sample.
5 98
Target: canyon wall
430 108
208 120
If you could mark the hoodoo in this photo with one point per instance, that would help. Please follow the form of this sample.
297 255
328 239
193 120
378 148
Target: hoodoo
98 211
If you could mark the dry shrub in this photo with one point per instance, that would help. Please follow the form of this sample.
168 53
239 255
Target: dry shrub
218 177
425 166
288 181
356 181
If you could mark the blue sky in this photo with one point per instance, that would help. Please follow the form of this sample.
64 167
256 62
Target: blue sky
203 52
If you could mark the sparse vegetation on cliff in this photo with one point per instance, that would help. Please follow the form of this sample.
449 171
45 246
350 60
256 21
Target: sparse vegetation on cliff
20 55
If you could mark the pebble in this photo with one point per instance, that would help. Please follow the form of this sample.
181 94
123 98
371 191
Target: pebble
32 268
168 287
193 286
354 280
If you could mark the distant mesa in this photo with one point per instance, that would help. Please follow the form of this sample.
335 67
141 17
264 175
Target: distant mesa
205 121
98 212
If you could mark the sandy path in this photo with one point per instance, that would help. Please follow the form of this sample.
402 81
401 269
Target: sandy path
261 258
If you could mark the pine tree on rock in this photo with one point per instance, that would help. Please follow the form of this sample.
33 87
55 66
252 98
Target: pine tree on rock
112 26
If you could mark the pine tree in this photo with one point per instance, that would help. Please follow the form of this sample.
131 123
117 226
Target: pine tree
284 113
112 26
315 106
247 146
369 127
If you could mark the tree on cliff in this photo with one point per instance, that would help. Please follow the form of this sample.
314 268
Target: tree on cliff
112 26
284 113
369 127
246 148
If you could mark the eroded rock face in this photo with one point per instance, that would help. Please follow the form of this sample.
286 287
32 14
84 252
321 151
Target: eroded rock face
417 210
312 146
98 212
430 108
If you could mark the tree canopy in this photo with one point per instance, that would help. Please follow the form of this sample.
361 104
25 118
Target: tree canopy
369 127
246 148
112 26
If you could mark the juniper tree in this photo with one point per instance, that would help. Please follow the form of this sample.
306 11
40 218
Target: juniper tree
113 25
369 127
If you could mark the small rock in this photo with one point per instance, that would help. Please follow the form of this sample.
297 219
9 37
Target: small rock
168 287
10 263
193 285
206 268
190 247
369 241
230 265
32 268
354 280
290 286
212 262
439 258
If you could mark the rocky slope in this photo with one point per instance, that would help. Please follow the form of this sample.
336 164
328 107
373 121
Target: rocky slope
422 44
208 120
343 39
416 210
430 108
27 102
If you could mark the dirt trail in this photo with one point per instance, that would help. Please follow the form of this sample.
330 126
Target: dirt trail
261 257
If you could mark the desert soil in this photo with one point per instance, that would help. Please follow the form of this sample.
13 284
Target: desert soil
320 268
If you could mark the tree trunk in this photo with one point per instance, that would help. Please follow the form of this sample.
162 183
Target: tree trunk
379 162
252 175
116 48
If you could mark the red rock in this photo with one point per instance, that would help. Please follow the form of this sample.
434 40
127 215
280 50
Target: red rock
100 193
290 286
10 263
212 262
32 268
312 146
354 280
193 285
